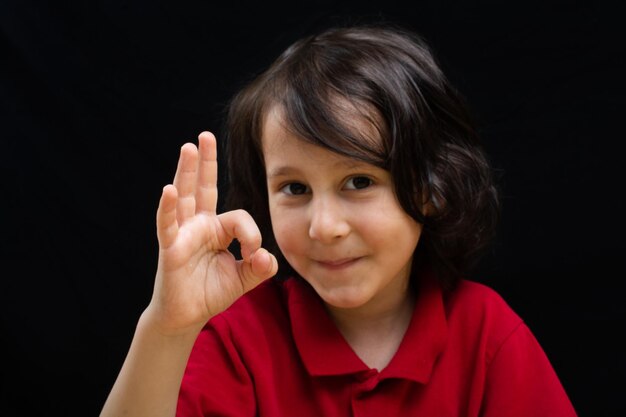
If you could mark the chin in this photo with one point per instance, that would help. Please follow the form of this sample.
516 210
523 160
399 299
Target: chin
343 298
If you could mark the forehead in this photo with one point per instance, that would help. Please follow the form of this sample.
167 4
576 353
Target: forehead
284 151
283 147
341 127
274 131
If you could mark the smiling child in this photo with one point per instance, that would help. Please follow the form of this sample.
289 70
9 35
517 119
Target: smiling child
361 197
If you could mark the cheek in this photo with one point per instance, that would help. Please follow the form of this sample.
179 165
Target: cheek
287 227
391 228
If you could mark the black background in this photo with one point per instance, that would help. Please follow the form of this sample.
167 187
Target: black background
98 96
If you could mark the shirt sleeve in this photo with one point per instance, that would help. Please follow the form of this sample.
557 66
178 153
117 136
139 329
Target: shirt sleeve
216 381
521 381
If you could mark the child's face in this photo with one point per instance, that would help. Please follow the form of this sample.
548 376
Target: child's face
337 221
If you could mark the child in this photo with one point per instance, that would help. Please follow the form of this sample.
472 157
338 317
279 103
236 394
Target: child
357 163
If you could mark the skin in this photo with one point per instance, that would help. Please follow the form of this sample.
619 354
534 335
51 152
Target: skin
339 224
347 236
196 279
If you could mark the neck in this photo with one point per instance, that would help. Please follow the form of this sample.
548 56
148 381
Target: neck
367 318
376 329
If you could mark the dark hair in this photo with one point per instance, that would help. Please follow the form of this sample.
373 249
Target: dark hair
388 77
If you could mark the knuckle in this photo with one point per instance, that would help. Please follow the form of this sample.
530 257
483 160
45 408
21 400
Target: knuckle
242 213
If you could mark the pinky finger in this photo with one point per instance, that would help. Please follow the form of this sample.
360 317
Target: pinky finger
167 225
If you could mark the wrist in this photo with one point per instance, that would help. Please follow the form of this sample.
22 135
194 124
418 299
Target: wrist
150 322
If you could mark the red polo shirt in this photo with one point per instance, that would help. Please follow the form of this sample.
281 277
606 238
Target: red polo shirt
276 352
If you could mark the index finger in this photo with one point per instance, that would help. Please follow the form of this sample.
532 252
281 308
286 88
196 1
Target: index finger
206 188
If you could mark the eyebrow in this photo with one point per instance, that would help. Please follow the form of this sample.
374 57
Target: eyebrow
286 170
281 171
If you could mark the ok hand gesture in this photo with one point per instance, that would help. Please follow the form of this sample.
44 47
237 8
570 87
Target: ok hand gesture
197 277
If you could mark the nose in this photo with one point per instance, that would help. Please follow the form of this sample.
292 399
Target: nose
328 219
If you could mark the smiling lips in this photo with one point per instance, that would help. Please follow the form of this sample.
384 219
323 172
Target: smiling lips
338 263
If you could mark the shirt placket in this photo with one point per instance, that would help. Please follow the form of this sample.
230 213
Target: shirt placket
364 390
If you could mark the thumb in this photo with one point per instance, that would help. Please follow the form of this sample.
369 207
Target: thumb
261 266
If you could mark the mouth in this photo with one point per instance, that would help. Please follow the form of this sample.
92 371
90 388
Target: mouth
337 264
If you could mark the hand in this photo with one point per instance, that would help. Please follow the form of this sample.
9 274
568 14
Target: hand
197 277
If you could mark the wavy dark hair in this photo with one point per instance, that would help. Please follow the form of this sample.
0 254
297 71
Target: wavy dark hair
388 77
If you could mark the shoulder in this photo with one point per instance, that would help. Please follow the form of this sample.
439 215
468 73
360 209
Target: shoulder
479 309
517 373
255 310
248 328
479 301
228 350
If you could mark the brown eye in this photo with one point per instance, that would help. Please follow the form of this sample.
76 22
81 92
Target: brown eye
358 183
295 188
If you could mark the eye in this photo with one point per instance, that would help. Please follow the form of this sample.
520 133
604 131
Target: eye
294 188
358 183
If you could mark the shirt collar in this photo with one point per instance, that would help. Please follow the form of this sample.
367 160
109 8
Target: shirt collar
325 352
425 338
322 347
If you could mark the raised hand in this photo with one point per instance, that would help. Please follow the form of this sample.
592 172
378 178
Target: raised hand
197 277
